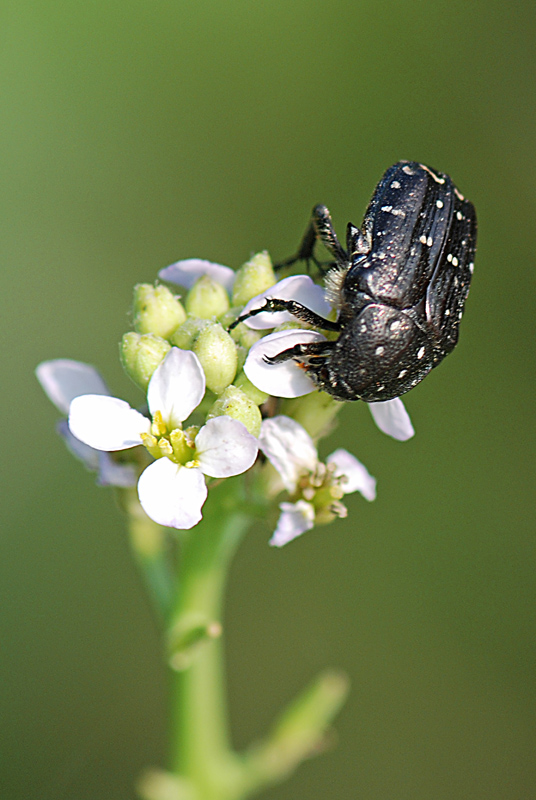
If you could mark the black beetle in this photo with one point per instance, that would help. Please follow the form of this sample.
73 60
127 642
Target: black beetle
399 287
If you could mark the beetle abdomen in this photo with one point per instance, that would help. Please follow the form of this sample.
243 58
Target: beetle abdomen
380 354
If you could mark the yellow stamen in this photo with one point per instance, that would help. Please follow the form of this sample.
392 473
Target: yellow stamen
159 427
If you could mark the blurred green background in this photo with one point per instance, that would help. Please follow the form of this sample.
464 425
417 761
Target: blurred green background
135 134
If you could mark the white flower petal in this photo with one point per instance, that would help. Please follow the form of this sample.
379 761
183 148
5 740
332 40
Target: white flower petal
358 478
295 519
106 423
110 472
113 474
186 272
297 287
63 379
289 448
392 418
177 387
172 495
282 380
224 447
83 452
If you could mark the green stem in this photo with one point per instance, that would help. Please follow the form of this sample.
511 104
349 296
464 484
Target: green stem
201 751
148 542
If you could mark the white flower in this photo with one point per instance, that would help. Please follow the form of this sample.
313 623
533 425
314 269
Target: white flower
356 477
172 490
295 519
62 380
186 273
292 452
392 418
285 379
300 288
288 379
289 449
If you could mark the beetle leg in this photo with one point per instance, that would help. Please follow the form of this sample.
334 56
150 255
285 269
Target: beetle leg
320 228
297 310
356 241
314 353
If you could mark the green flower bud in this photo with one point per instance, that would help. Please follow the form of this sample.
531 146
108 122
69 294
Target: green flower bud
217 353
252 278
241 354
156 310
241 333
141 355
234 403
207 299
186 335
249 337
229 316
249 389
292 324
315 411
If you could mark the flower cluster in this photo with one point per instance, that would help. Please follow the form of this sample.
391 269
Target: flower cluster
315 488
208 398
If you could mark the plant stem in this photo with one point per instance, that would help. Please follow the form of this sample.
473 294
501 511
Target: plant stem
148 542
200 747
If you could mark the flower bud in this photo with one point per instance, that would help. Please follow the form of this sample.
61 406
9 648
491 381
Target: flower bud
254 277
248 337
250 390
186 334
207 299
234 403
241 354
230 315
141 355
315 411
157 310
217 353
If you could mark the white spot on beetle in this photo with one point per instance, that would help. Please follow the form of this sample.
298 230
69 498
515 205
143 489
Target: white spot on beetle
454 262
408 170
459 215
422 239
447 312
449 257
381 256
395 185
436 178
439 203
397 212
395 325
429 241
379 351
458 194
402 373
420 352
460 315
387 209
471 268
